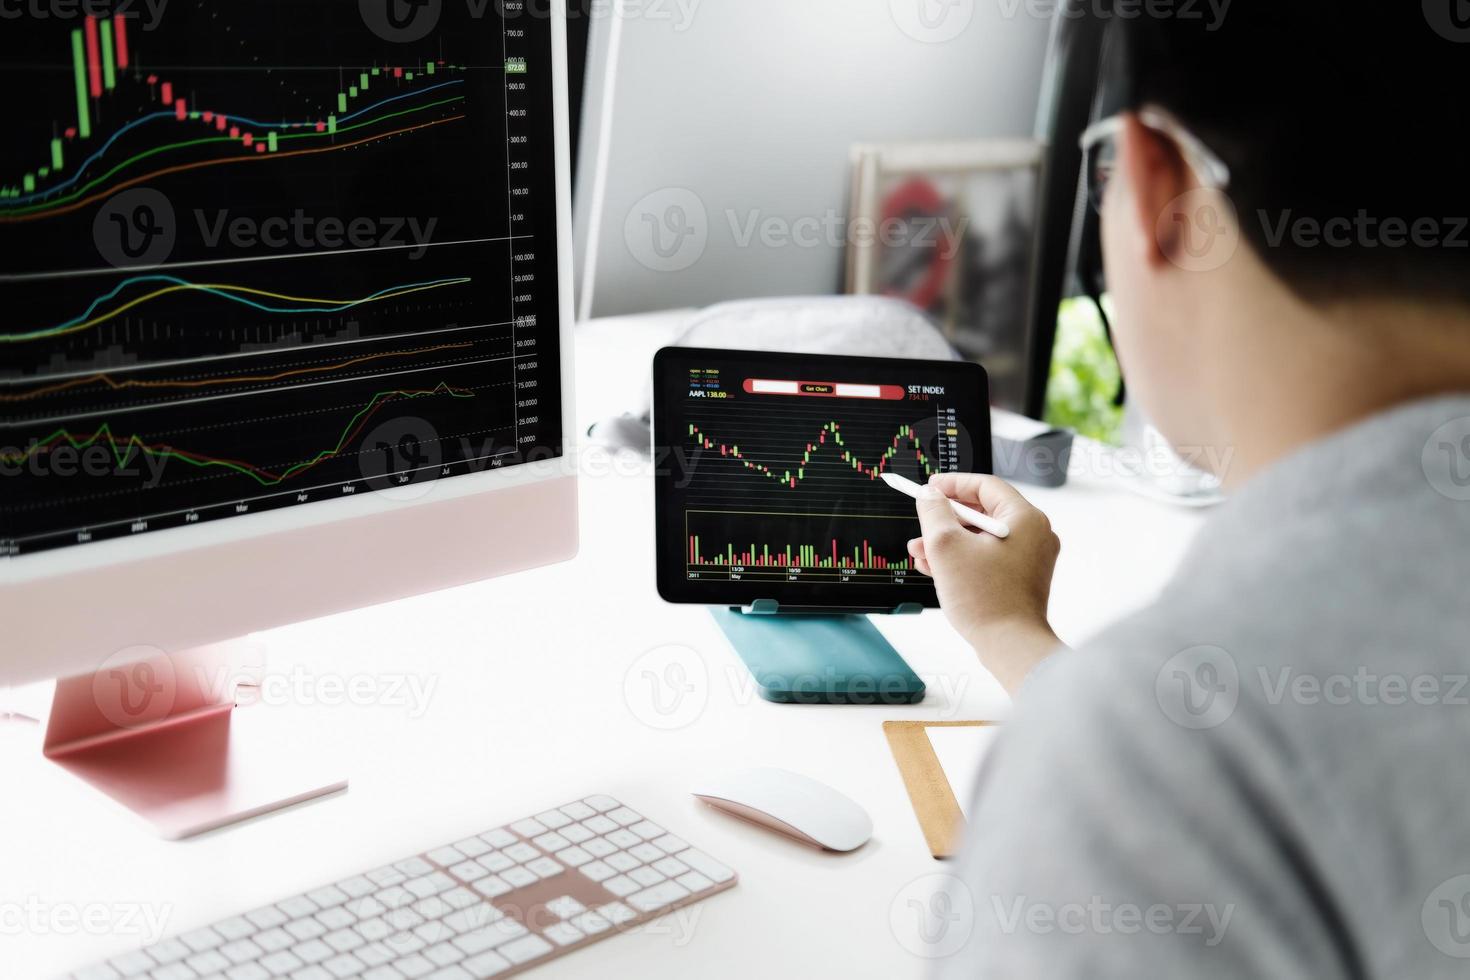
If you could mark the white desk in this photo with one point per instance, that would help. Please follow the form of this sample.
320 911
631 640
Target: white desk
529 709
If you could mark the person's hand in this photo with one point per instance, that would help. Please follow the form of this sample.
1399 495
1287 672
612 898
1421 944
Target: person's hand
994 591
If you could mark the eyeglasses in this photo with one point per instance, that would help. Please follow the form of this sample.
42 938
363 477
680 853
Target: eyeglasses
1100 152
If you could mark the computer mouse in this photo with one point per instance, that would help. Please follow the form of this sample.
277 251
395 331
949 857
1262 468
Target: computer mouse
791 804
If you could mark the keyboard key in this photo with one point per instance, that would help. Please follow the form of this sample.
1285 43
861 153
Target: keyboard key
602 804
576 833
396 897
336 917
455 972
366 907
313 972
544 867
471 847
672 867
492 887
281 962
274 939
577 811
624 839
624 816
525 949
374 954
432 907
241 951
470 919
658 896
670 844
267 918
358 886
201 939
551 842
573 856
494 862
647 829
443 954
483 966
345 965
565 907
299 907
518 877
413 967
591 923
645 876
598 847
326 897
167 951
174 971
446 856
234 928
383 877
498 838
621 886
460 898
521 852
313 951
414 866
563 933
529 827
617 913
429 884
207 962
343 940
597 871
553 819
599 824
305 928
622 861
646 853
135 962
707 866
373 929
468 871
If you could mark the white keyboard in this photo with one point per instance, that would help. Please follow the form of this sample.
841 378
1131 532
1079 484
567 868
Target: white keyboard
490 905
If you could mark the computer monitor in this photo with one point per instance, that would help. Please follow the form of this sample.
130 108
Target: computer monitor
287 307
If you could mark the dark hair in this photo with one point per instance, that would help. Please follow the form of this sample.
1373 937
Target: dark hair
1324 112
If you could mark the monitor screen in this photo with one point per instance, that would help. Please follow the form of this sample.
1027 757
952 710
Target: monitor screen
267 255
769 466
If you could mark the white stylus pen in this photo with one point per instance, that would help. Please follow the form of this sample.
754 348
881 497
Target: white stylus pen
969 515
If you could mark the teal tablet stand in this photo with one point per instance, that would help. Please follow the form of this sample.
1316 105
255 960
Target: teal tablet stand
819 657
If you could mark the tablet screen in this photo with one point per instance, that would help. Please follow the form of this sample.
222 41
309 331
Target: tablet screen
769 466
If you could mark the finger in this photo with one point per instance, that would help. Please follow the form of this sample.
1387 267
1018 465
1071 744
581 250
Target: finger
922 566
916 550
993 494
938 521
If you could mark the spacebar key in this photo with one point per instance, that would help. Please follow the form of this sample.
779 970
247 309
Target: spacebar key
657 897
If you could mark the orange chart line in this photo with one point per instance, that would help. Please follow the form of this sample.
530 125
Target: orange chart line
196 165
211 382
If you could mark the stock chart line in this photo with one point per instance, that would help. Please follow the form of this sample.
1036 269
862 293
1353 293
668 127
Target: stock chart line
107 380
792 477
71 202
122 449
226 291
337 127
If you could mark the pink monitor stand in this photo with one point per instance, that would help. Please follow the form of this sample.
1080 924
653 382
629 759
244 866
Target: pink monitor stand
158 736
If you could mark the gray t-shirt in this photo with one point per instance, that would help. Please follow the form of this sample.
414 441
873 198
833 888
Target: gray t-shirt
1266 773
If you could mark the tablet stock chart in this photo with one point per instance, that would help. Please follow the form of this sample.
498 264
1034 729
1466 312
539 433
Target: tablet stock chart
784 476
264 254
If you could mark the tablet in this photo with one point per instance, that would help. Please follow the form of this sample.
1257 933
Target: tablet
768 466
